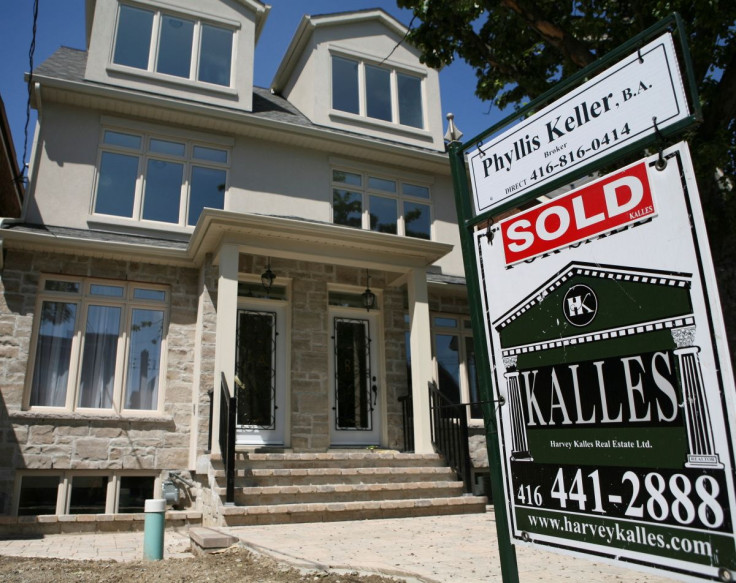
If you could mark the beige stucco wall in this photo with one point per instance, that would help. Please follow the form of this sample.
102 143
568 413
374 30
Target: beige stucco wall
265 177
310 84
239 95
64 168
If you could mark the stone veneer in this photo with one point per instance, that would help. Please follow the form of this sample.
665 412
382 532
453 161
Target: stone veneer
72 441
34 440
310 343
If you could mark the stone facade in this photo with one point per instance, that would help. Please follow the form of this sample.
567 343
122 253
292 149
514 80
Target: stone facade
77 441
310 345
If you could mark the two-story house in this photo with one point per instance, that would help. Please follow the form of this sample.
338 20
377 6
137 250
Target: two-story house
202 264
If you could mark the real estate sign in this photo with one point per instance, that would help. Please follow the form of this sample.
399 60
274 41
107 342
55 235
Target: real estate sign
624 104
604 327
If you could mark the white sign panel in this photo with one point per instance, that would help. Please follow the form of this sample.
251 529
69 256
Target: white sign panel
608 355
612 110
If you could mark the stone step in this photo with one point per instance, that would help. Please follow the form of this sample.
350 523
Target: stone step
339 459
332 493
335 459
305 476
361 510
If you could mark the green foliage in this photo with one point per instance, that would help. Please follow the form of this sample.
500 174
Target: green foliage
521 48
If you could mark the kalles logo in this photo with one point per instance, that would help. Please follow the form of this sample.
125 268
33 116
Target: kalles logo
611 202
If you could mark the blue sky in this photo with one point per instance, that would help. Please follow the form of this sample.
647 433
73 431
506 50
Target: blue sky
61 22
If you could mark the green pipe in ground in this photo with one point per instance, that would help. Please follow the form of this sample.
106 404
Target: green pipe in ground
153 529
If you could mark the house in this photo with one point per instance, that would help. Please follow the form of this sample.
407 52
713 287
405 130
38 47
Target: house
211 281
11 181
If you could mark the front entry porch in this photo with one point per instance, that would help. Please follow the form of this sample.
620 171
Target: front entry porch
308 366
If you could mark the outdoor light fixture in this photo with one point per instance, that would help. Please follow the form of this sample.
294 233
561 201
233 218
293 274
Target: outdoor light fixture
267 277
369 298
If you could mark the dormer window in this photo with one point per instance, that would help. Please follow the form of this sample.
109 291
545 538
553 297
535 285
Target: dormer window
376 92
167 44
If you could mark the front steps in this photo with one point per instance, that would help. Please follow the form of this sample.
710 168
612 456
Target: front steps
280 488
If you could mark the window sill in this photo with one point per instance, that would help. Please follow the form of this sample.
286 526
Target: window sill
377 124
76 523
107 418
228 93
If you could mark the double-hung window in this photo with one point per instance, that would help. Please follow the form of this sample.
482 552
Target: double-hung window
168 44
152 178
386 205
99 345
377 92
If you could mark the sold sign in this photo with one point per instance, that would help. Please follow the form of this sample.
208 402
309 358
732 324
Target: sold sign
618 199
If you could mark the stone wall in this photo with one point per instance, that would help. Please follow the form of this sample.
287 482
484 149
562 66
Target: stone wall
310 345
76 441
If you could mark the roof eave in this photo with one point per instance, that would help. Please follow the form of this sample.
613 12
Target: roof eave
278 127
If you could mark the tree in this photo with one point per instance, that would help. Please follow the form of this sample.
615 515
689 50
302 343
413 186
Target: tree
521 48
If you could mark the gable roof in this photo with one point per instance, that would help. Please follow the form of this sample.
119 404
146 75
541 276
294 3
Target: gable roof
308 25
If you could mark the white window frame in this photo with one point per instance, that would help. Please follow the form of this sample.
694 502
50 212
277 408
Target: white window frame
65 485
144 154
366 192
199 20
83 299
394 71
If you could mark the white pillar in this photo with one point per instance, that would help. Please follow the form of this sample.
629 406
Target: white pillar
420 341
227 309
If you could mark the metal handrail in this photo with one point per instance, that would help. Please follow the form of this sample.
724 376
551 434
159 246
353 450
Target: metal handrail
450 433
227 438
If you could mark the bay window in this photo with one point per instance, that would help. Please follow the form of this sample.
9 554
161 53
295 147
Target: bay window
386 205
168 44
148 178
98 346
377 92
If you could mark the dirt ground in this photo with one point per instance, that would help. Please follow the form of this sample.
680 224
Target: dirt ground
231 566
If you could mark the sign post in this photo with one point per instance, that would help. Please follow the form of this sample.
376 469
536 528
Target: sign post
603 366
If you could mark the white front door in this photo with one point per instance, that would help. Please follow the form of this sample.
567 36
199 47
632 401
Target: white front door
260 374
355 396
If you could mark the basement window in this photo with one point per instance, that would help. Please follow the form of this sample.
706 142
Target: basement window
38 495
73 492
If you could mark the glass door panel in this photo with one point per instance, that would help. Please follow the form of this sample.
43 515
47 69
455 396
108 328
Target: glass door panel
354 405
259 389
355 408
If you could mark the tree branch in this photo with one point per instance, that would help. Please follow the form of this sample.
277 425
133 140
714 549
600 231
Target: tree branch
555 35
721 109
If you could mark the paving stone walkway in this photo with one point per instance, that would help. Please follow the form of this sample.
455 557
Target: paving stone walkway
434 549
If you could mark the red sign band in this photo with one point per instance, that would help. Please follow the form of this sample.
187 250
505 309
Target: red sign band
617 200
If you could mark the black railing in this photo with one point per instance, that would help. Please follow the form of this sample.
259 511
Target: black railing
407 416
227 438
211 397
450 433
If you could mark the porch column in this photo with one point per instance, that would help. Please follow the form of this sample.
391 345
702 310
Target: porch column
420 341
227 306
